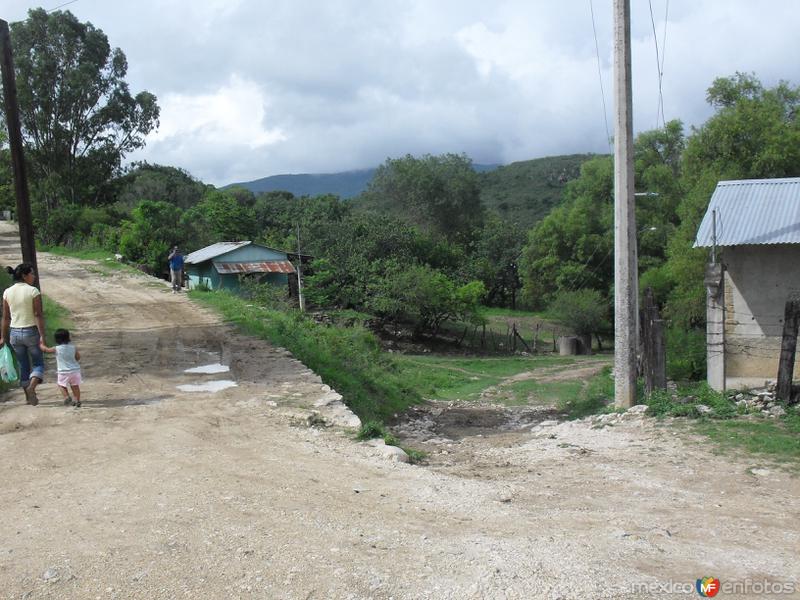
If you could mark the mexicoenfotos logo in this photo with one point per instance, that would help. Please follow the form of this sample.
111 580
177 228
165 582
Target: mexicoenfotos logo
707 587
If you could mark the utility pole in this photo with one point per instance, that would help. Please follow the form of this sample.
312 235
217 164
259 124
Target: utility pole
24 219
625 275
299 274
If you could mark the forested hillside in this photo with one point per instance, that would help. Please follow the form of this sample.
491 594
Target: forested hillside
524 192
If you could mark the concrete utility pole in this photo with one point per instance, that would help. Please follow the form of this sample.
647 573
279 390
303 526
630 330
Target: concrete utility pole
625 292
24 217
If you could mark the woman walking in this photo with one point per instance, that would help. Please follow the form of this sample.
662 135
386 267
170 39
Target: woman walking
23 328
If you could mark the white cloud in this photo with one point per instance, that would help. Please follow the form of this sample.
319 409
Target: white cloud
233 115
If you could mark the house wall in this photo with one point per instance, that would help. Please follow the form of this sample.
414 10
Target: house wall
203 272
758 281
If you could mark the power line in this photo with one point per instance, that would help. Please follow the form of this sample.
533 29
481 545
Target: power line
600 76
61 6
659 65
663 57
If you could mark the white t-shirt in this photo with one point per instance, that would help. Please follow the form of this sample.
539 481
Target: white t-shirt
20 300
65 359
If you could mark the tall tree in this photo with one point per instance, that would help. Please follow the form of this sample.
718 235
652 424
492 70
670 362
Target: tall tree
77 113
440 194
754 134
572 248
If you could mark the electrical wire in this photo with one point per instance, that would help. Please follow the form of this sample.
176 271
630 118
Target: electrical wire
600 76
49 10
659 67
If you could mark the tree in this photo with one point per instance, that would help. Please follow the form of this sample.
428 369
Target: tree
219 217
572 248
494 258
77 114
423 297
155 182
583 311
150 233
439 194
754 134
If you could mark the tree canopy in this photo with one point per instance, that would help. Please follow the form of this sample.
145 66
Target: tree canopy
78 116
439 194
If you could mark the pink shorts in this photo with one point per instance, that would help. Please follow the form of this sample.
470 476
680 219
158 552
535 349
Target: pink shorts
69 378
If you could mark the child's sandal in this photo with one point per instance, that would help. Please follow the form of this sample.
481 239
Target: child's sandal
68 401
77 404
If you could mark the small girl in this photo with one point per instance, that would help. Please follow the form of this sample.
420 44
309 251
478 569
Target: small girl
69 370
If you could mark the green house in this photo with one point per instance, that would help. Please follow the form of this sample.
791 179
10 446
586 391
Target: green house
222 265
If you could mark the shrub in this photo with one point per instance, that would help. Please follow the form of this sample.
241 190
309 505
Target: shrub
584 311
686 354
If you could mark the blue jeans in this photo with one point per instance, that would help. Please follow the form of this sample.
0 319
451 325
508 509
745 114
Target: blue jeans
25 342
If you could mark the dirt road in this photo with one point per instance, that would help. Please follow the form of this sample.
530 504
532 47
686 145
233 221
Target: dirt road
152 492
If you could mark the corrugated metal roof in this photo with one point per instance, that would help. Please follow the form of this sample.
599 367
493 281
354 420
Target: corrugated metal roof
272 266
211 251
753 211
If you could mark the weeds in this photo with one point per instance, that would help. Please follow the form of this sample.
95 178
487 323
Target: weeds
685 401
595 398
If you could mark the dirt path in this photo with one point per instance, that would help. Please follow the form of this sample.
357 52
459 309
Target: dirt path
150 492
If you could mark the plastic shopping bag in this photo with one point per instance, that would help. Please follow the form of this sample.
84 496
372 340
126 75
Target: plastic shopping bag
8 372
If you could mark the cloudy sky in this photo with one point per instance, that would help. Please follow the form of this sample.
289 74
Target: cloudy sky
252 88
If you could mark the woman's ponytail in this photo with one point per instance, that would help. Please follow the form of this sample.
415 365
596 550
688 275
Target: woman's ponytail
20 272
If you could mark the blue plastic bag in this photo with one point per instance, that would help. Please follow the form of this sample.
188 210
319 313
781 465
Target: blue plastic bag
8 371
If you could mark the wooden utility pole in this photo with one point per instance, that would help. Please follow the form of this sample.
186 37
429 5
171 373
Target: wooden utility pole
300 298
654 364
24 219
791 321
625 292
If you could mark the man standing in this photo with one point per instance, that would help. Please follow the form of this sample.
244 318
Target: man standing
176 269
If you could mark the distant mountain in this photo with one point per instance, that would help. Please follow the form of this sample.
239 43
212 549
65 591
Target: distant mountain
345 185
522 192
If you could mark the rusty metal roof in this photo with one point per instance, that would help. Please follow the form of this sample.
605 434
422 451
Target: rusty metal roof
753 211
272 266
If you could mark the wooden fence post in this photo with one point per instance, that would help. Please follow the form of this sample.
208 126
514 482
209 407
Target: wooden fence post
791 319
654 363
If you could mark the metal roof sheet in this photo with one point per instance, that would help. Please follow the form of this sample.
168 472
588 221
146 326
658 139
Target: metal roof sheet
753 211
211 251
272 266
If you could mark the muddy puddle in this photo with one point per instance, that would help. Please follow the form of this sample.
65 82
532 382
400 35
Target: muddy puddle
442 422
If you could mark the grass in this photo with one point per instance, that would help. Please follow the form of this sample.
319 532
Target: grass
596 397
350 359
446 378
537 392
728 426
55 317
490 312
777 438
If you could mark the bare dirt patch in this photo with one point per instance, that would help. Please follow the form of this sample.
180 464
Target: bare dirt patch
151 492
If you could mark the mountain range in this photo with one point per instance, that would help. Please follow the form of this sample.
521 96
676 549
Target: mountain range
346 184
522 192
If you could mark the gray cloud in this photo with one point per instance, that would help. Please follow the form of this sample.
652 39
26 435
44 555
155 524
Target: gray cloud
250 89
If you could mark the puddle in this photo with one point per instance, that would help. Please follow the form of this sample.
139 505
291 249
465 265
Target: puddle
209 386
459 422
209 369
